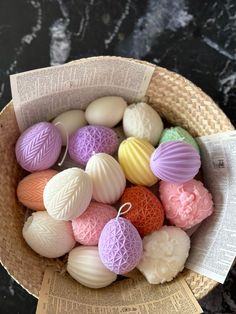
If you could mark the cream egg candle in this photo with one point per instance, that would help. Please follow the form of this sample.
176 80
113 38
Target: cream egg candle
164 254
68 122
48 237
68 194
141 120
106 111
85 266
107 177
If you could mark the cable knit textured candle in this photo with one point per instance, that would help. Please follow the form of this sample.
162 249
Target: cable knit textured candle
92 139
48 237
187 204
68 194
147 213
107 177
120 246
30 189
164 254
38 147
175 162
141 120
134 157
88 227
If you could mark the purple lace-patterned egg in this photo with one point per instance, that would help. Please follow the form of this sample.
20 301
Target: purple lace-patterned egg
175 162
38 147
92 139
120 246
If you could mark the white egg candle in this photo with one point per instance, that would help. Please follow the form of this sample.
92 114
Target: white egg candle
68 194
164 254
106 111
142 121
68 122
107 177
85 266
48 237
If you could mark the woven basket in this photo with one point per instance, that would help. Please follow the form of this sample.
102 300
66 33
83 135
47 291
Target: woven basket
175 98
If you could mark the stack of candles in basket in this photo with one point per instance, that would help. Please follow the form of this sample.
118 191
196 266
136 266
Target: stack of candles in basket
103 212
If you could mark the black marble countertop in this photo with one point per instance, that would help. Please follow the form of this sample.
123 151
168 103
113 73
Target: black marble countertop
194 38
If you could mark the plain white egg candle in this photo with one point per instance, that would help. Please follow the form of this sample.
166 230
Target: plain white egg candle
48 237
106 111
85 266
69 121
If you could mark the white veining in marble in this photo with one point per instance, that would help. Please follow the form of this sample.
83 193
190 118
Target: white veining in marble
113 34
84 21
60 44
218 48
159 16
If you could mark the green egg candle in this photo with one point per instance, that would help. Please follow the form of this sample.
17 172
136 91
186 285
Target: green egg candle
177 134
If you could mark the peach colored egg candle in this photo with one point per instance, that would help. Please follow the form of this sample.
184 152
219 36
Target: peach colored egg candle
30 189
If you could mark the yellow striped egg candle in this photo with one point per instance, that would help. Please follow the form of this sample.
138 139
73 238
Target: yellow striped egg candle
134 157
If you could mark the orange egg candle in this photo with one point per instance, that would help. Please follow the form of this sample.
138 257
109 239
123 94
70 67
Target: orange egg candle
147 213
30 189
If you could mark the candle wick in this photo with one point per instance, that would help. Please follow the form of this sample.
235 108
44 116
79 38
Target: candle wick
126 211
67 143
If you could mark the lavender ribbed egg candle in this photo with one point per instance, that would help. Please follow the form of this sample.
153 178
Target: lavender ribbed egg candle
92 139
175 162
38 147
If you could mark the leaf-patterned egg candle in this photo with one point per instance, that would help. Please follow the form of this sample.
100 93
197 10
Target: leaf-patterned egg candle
175 162
120 246
92 139
38 147
85 266
134 157
146 214
107 177
68 194
30 189
88 227
48 237
141 120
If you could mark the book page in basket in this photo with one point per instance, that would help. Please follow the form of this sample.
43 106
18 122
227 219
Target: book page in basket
42 94
61 294
213 245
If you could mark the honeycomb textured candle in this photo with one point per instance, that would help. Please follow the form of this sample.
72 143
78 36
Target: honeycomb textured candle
175 162
92 139
134 157
147 212
107 177
187 204
48 237
88 227
120 246
68 194
30 189
85 266
38 147
164 254
178 134
141 120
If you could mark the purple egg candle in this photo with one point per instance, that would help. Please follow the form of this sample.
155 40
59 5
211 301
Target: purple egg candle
38 147
120 246
92 139
175 162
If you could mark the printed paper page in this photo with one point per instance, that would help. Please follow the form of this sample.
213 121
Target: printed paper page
60 294
213 245
42 94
